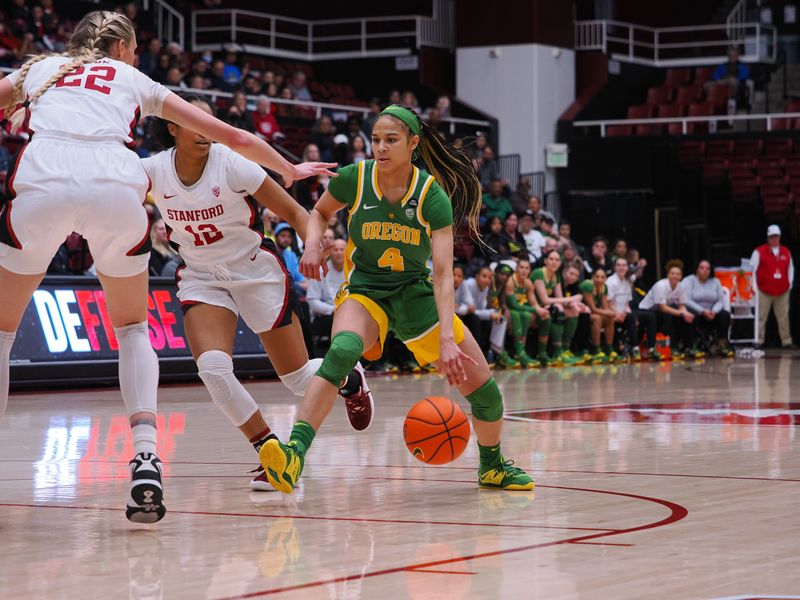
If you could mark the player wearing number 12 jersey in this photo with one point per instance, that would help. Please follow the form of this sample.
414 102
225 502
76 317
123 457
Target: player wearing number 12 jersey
76 175
201 191
399 218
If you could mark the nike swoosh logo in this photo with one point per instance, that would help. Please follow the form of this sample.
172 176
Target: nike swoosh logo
168 197
369 207
254 257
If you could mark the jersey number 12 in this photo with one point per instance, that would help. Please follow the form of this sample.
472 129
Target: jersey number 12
210 234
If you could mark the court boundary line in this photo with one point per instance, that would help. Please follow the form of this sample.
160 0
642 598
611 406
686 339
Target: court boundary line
677 513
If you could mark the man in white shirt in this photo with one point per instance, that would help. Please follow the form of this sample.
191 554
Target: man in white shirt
773 278
534 240
321 294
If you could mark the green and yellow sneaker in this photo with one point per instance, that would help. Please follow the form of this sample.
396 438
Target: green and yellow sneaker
526 361
506 362
505 476
568 359
599 358
282 463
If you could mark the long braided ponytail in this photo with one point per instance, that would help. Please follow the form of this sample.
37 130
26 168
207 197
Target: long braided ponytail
92 40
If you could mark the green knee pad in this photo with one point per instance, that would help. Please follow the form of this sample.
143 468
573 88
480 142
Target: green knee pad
346 348
486 402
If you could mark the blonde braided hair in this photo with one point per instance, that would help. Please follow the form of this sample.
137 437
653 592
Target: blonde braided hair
92 40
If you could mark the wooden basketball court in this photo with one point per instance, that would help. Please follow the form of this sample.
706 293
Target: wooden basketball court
652 481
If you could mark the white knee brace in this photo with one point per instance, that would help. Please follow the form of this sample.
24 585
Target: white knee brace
297 381
216 370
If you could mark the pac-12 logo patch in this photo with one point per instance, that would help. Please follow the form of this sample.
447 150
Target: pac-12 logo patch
410 213
215 191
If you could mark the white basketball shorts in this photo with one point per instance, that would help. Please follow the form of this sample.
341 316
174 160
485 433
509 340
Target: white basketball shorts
60 185
258 287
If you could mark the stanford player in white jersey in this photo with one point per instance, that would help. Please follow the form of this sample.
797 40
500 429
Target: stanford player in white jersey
77 175
201 190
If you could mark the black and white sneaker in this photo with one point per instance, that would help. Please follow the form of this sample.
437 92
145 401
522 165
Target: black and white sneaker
146 503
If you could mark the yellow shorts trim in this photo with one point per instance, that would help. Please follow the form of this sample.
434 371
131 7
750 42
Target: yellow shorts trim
375 352
426 346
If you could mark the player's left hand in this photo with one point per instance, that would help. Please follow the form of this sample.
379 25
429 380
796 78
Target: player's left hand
308 169
451 361
314 261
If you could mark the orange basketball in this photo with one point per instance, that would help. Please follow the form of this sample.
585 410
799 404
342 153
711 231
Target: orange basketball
436 430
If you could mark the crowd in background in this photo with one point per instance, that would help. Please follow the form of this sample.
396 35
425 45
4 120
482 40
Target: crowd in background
530 292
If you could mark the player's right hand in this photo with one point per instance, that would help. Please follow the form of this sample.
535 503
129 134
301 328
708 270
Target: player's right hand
308 169
313 262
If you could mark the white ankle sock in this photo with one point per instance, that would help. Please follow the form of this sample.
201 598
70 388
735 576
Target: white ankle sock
6 341
144 438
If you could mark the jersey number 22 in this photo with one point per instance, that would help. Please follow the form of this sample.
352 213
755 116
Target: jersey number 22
96 73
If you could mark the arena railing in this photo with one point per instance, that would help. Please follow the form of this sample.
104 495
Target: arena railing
770 120
677 46
318 107
299 39
169 23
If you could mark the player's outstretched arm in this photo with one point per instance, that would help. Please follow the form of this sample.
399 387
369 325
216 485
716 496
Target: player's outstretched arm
314 254
271 195
6 91
177 110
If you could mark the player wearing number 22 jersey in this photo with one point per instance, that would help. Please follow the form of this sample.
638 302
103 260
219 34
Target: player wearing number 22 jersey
386 260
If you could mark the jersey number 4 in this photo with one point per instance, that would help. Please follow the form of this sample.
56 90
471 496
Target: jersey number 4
96 73
205 235
392 259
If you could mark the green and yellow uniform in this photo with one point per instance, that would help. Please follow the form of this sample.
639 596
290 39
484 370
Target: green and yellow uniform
386 259
587 287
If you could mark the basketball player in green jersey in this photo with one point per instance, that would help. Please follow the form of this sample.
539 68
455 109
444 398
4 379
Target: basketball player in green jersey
399 217
522 306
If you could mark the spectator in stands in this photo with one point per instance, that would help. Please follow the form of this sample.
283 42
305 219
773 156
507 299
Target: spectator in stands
409 99
394 97
550 245
322 135
667 299
774 277
498 248
9 47
160 72
196 82
519 197
299 88
264 123
706 301
534 240
358 150
284 239
462 301
560 327
199 67
38 24
547 225
238 115
565 237
735 75
354 131
372 116
494 203
231 72
443 106
308 191
599 256
322 294
271 90
164 259
252 86
479 316
489 169
148 60
602 317
516 243
570 256
620 295
175 78
535 207
217 77
571 278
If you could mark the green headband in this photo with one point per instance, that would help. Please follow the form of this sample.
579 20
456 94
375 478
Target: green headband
405 115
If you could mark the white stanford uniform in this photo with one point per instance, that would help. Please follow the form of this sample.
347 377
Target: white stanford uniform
76 173
227 263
